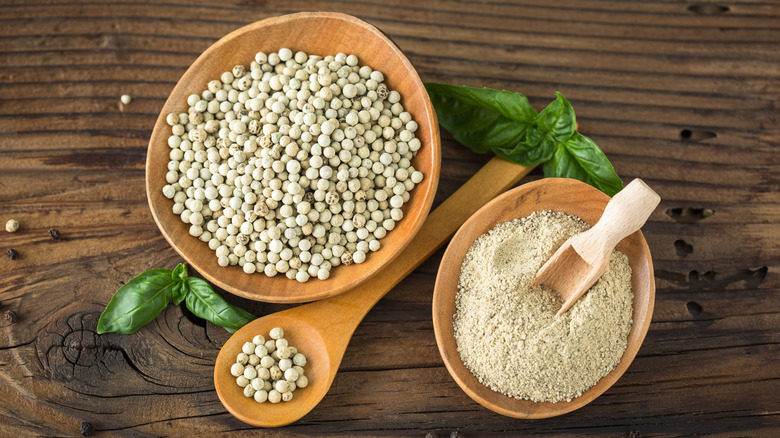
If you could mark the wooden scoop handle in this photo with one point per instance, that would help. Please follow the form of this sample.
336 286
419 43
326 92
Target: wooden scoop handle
625 213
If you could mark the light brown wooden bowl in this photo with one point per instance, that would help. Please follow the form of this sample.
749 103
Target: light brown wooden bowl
316 33
558 194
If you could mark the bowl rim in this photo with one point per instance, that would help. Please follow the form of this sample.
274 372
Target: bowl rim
444 331
425 191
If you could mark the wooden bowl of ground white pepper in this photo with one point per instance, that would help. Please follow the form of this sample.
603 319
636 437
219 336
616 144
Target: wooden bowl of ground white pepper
295 158
501 339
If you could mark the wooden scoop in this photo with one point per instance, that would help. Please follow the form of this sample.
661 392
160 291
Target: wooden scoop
582 259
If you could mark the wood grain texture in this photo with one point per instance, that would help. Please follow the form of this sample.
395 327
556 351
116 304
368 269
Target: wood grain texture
681 94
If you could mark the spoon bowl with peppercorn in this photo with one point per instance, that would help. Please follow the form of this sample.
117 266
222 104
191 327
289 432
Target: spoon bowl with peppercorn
322 34
557 195
308 340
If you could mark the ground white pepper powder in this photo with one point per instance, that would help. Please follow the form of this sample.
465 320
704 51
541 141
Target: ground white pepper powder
508 335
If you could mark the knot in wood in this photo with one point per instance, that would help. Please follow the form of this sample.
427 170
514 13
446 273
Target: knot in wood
71 351
86 429
9 317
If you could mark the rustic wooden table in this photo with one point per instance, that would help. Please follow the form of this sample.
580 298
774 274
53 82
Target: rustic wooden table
681 94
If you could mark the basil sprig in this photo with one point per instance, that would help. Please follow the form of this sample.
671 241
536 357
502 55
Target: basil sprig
503 122
139 301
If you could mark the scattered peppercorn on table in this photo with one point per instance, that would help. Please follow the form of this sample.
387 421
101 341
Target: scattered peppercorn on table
679 94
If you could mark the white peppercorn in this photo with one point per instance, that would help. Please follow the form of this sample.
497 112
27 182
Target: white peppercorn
291 375
285 364
267 362
323 274
274 377
274 396
249 267
261 396
283 141
282 386
12 226
257 383
299 359
277 333
260 350
358 256
263 373
237 369
276 372
250 373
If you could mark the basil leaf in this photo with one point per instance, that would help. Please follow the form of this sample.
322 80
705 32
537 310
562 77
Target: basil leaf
513 106
580 158
179 272
552 126
502 122
179 275
482 119
207 304
138 302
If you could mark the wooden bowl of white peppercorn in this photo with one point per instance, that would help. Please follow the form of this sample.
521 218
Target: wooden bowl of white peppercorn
558 195
321 34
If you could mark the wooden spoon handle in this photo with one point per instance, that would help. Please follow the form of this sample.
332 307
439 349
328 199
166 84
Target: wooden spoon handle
625 213
343 313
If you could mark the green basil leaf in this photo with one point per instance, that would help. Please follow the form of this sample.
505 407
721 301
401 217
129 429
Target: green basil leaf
179 272
502 122
138 302
580 158
552 126
513 106
179 275
526 154
482 119
207 304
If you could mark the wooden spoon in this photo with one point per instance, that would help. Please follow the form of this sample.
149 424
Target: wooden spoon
581 260
322 330
316 33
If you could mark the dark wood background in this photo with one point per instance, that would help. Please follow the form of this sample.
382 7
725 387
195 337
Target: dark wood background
682 94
